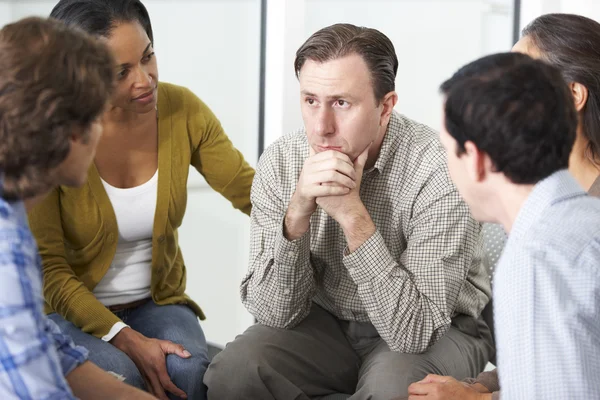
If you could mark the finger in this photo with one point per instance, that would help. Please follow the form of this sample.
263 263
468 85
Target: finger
169 347
324 155
333 164
431 378
325 191
169 386
156 388
419 388
330 176
361 160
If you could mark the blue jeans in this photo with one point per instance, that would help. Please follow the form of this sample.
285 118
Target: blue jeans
176 323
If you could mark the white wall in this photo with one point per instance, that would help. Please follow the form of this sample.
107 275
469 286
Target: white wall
531 9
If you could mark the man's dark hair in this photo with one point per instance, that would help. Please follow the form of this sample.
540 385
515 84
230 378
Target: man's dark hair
340 40
99 17
54 83
517 110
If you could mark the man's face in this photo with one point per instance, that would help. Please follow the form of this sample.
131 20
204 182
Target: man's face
137 71
462 171
339 108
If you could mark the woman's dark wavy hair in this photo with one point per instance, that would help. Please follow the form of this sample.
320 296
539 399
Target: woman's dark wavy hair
571 43
99 17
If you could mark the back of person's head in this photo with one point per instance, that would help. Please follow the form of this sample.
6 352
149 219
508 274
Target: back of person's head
571 43
517 110
54 83
340 40
99 17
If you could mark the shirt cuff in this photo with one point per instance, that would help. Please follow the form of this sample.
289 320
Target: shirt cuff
287 252
489 379
372 259
116 328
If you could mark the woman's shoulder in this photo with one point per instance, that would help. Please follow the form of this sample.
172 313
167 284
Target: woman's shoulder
180 98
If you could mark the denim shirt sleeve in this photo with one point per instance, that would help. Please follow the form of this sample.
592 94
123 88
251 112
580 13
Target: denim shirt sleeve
35 355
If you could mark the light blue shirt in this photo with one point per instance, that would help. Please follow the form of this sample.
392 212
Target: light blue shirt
35 356
547 296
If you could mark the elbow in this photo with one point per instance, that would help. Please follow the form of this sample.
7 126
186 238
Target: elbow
273 313
419 335
277 317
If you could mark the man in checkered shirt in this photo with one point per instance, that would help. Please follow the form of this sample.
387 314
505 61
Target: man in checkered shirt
54 83
365 268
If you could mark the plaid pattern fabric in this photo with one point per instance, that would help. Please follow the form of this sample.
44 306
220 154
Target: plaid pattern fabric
547 296
34 355
421 267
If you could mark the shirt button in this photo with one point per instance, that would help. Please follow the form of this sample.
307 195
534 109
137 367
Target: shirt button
286 291
111 237
291 253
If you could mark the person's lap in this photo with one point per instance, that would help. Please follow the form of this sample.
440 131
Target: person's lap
180 325
176 323
315 359
102 353
385 374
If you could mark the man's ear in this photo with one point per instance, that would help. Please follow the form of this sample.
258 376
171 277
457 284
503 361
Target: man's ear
478 162
388 102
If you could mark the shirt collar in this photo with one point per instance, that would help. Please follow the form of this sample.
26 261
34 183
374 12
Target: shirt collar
549 191
389 144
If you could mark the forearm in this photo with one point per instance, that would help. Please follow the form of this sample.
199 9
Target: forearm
89 382
279 288
69 297
404 317
358 227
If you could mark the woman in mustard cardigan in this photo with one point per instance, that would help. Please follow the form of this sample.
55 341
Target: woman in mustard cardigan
114 276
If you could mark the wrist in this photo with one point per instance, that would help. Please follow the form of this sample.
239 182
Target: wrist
354 218
125 339
479 387
296 221
358 227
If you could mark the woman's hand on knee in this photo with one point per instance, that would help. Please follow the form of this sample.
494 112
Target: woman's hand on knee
149 355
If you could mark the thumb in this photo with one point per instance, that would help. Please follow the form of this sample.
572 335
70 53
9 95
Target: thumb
435 379
361 160
169 347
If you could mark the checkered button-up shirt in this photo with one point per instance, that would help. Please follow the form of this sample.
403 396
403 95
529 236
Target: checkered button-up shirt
547 296
35 356
420 268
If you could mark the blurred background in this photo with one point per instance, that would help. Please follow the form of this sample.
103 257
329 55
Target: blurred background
237 55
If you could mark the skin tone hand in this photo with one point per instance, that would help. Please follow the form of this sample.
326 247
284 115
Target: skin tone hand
348 209
330 173
149 355
435 387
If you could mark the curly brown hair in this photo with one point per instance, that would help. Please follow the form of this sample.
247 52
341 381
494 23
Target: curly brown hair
54 83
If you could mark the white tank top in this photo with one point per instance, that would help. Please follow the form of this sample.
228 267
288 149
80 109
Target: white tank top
129 275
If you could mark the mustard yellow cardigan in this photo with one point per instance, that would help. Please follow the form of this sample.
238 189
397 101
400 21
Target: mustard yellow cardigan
76 228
